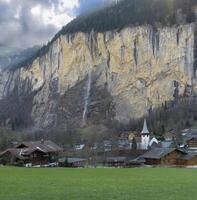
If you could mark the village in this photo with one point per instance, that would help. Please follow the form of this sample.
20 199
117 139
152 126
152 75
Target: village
132 150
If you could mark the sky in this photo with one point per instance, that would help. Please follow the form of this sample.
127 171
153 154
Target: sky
26 23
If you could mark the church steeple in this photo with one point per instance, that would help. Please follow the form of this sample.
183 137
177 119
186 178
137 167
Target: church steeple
145 130
145 136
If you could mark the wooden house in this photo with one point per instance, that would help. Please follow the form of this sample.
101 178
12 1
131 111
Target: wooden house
36 153
162 156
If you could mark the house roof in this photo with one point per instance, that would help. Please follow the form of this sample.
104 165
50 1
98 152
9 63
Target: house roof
46 146
188 156
153 141
158 153
189 137
192 131
29 151
14 152
166 144
138 160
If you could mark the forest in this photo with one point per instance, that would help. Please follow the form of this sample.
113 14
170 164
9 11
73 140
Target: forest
134 13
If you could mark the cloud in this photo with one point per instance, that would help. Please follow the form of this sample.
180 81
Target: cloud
25 23
30 22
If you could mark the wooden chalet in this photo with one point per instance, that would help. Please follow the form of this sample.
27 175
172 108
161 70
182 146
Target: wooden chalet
35 153
163 156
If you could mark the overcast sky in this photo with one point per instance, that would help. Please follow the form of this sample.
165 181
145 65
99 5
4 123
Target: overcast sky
25 23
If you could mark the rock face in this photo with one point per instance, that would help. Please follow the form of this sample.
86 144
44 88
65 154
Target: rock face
132 71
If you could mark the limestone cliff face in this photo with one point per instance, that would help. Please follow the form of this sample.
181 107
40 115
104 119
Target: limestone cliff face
132 71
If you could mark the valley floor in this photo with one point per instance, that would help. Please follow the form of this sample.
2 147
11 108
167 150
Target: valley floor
94 184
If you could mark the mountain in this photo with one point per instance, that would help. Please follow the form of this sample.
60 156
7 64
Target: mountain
115 64
6 50
10 57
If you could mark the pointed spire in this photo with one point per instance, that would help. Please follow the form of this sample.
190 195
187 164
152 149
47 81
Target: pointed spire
145 128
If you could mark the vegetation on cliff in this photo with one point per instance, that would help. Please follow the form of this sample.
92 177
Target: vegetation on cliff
134 12
123 14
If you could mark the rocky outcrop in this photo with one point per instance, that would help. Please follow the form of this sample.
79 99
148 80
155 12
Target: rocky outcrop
132 71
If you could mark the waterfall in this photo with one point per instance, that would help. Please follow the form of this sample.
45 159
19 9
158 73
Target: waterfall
87 96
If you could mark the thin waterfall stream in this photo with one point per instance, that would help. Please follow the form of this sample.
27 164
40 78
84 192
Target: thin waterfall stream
87 97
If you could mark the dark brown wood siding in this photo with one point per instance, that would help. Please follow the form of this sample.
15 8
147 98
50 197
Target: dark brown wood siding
170 159
191 162
152 161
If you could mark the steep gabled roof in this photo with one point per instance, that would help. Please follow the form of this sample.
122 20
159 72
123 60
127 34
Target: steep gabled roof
29 151
153 141
158 153
46 146
14 152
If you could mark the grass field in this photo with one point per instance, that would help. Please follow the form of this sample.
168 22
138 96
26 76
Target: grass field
94 184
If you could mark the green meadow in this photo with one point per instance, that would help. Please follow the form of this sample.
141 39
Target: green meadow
94 184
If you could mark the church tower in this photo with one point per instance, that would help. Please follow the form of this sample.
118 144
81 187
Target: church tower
145 137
